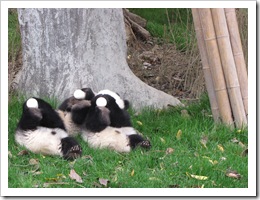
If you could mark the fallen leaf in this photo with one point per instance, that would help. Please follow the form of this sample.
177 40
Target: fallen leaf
33 161
220 147
178 135
198 177
103 182
52 179
133 172
73 175
238 131
162 140
204 141
169 150
139 123
223 158
23 152
241 144
36 172
154 179
235 140
233 174
211 161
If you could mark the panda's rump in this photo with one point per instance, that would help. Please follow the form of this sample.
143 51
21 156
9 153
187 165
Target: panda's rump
112 138
43 140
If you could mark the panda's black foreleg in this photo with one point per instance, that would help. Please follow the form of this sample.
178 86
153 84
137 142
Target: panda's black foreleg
79 111
70 148
137 140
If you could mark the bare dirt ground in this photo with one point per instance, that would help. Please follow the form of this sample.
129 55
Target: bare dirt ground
163 67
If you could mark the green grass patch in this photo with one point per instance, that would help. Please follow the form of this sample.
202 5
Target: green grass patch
154 168
14 36
173 25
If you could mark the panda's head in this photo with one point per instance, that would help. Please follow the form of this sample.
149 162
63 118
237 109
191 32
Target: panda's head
84 93
117 107
112 97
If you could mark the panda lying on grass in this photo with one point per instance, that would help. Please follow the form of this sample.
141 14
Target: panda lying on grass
103 120
41 130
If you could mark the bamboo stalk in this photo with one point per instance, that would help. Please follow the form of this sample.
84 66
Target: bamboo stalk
205 65
215 66
238 54
229 66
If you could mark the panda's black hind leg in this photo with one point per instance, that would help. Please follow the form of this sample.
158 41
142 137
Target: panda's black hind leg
70 148
137 140
31 116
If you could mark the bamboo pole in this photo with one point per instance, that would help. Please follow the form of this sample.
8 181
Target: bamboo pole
229 67
205 65
215 66
238 54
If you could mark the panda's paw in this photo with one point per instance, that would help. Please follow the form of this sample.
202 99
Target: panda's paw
81 105
145 144
73 153
70 148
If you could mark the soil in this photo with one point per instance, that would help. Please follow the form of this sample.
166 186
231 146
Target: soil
163 67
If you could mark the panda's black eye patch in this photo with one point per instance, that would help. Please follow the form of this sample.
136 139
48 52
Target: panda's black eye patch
53 132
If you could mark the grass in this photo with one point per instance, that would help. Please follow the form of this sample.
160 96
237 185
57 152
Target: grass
14 36
141 169
172 25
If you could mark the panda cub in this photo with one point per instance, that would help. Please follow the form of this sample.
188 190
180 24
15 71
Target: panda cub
108 125
78 104
41 130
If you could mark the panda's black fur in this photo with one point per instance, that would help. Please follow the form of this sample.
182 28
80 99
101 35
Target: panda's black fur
119 119
79 107
107 126
41 130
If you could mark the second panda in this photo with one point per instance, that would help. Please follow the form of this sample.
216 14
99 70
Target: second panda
105 123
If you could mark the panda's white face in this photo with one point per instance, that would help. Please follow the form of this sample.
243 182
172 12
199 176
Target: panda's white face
120 102
43 140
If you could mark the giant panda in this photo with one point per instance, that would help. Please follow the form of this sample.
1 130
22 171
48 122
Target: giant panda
79 104
41 130
107 124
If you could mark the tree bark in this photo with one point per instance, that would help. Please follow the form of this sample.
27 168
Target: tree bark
67 49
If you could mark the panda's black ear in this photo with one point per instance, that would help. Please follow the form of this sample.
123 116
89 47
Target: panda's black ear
127 104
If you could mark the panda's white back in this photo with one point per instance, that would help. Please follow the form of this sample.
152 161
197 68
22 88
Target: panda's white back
112 138
42 140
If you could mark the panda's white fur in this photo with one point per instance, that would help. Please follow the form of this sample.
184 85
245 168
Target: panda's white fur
119 101
79 94
112 138
42 140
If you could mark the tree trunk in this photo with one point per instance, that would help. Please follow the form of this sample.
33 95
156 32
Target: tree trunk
67 49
